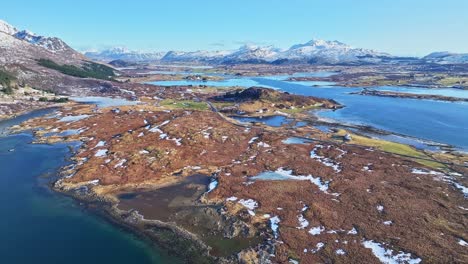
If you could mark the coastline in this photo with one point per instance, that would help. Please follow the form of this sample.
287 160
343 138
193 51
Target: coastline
158 232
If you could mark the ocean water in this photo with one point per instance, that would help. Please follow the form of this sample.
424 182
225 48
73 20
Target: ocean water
443 122
38 225
436 121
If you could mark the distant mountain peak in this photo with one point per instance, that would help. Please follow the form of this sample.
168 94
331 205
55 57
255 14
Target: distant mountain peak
52 44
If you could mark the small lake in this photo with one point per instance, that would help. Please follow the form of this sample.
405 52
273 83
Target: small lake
39 225
274 121
103 102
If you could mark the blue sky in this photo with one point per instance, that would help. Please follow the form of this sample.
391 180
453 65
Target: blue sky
401 27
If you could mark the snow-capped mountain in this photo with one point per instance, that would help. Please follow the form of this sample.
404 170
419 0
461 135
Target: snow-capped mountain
7 28
318 51
252 53
122 53
315 51
51 44
329 52
445 57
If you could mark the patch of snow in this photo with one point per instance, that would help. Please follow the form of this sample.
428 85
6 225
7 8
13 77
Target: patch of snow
93 182
340 252
73 118
252 140
120 164
263 144
249 203
316 230
100 144
282 174
380 208
387 255
388 223
213 184
303 223
232 199
141 134
352 231
101 153
462 242
421 171
319 246
324 160
274 223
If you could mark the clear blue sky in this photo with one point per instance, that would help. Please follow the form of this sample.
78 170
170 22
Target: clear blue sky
401 27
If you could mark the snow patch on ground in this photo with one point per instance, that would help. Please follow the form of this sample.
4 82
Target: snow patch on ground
324 160
340 252
121 163
274 223
387 255
73 118
462 242
252 140
213 184
101 153
282 174
303 223
100 144
316 230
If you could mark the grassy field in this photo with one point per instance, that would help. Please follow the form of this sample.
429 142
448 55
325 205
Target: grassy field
184 104
392 147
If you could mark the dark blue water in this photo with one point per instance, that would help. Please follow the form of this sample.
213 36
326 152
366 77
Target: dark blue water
38 225
438 121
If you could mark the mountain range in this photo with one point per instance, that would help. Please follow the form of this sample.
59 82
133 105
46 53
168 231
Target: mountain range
314 51
19 47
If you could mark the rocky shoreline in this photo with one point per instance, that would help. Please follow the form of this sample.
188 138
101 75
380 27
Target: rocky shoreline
370 92
159 147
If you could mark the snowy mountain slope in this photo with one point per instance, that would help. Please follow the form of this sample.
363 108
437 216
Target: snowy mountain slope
447 58
329 52
7 28
51 44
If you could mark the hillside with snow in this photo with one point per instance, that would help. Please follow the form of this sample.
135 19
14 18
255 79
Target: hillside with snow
314 51
447 58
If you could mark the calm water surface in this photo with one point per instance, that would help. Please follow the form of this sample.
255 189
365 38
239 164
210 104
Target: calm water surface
437 121
38 225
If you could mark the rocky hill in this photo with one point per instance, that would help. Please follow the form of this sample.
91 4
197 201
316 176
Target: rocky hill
47 63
